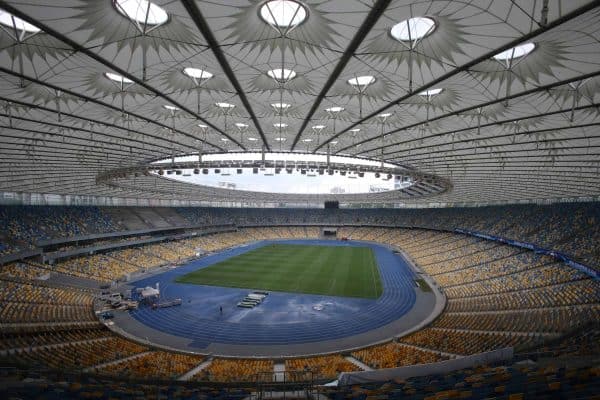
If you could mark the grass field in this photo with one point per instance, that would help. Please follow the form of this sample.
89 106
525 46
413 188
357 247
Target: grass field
328 270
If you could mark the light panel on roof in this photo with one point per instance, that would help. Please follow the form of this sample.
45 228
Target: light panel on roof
365 80
431 92
117 78
282 74
170 108
283 13
142 11
197 73
412 29
282 106
10 21
515 52
335 109
241 125
280 125
225 105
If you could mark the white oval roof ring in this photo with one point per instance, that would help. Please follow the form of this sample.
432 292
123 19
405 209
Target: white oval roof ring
117 78
142 11
515 52
362 81
412 29
282 74
431 92
283 13
197 73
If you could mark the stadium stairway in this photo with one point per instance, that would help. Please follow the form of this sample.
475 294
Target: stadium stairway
194 371
106 364
358 363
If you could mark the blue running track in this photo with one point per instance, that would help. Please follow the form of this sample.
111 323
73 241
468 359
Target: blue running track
283 318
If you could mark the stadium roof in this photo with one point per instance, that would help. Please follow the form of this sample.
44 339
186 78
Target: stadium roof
500 98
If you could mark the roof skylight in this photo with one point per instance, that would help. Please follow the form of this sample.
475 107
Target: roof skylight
431 92
282 75
117 78
515 52
142 11
9 20
361 81
412 29
283 13
197 73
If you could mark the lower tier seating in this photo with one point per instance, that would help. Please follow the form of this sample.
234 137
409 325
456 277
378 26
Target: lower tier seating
157 364
236 370
324 367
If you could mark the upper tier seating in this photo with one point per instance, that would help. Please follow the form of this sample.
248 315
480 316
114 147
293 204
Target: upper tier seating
571 228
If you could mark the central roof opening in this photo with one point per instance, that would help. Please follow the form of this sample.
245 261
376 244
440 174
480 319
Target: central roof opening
285 173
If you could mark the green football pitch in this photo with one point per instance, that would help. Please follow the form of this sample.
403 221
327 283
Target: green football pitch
328 270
